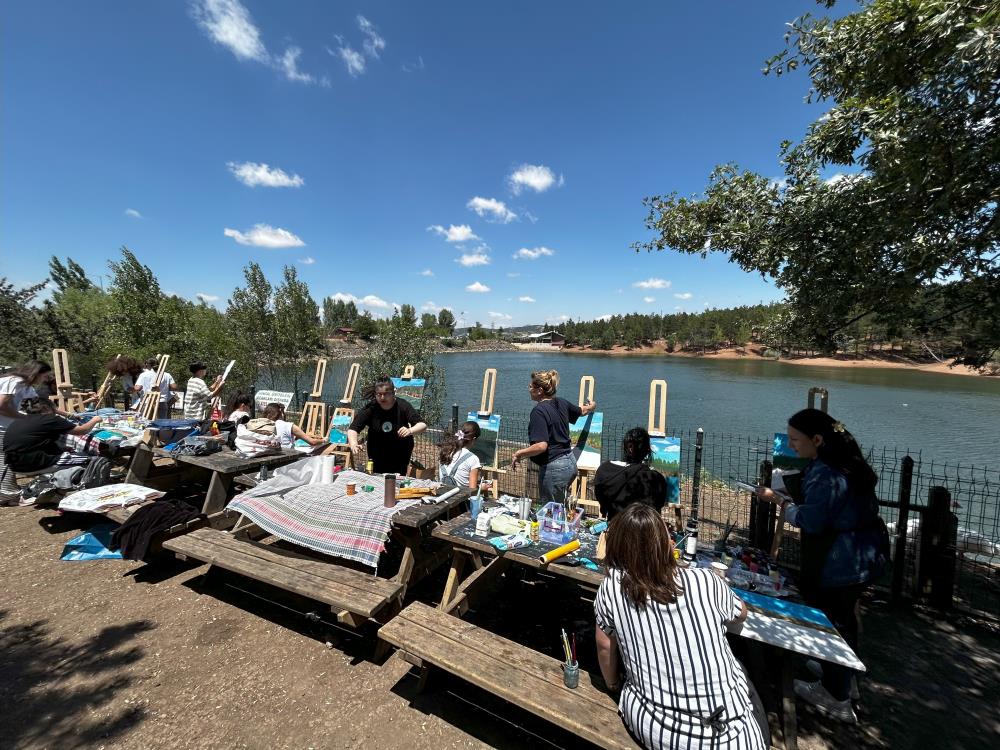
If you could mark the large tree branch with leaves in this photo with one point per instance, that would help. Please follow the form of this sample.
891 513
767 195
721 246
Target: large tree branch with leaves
909 230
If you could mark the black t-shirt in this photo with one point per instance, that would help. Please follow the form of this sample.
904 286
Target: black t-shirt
388 451
617 486
549 422
32 443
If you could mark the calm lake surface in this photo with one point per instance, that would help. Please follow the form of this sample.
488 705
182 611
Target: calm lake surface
947 417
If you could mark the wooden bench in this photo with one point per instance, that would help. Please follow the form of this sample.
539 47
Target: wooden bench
429 637
354 597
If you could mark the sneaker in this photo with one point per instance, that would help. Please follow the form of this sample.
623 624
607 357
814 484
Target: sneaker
817 695
25 501
816 670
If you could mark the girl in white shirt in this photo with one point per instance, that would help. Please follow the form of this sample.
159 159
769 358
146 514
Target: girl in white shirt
459 465
286 431
239 408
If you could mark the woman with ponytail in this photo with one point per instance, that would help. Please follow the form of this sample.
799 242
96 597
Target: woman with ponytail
459 466
548 435
841 540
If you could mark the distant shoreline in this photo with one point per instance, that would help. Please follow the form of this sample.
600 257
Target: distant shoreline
888 362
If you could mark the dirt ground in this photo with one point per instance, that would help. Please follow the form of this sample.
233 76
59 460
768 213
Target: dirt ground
115 654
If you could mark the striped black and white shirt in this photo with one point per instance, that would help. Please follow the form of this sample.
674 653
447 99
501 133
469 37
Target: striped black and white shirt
679 668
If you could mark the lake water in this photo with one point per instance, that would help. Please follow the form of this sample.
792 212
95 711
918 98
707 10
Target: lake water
947 417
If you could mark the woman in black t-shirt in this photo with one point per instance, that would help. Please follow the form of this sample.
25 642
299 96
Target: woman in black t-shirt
548 436
391 424
618 484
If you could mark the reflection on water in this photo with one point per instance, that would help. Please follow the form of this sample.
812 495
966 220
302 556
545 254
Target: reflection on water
947 417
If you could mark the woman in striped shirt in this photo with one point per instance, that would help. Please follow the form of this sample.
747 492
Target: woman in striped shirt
682 686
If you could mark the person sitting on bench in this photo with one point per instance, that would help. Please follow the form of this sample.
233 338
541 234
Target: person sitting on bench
37 442
617 484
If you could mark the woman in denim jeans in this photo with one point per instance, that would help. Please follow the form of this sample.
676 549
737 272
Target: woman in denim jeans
548 436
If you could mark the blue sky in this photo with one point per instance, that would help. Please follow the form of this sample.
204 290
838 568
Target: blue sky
415 153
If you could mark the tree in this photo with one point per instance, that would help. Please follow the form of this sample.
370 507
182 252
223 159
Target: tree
21 322
296 316
428 321
365 326
251 322
913 90
446 320
409 315
135 325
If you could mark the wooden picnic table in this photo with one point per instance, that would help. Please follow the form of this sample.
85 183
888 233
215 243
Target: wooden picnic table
786 634
354 596
223 466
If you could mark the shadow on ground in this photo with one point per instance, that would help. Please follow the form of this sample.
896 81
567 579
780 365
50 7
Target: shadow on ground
60 694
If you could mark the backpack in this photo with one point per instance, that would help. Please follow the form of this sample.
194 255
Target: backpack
448 480
96 473
196 445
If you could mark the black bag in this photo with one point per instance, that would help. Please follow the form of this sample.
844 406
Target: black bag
97 473
196 445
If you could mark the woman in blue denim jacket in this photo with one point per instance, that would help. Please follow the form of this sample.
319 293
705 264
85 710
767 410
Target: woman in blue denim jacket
838 518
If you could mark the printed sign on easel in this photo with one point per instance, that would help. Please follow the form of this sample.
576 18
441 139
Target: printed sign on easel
585 432
666 457
409 388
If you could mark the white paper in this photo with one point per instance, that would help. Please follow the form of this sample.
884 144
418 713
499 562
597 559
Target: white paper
229 367
99 499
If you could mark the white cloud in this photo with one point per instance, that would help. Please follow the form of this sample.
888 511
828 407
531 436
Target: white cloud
477 288
532 253
512 274
491 209
525 298
430 307
475 258
427 272
264 235
132 213
648 300
252 174
307 261
413 67
228 23
537 177
369 300
684 295
207 297
562 318
460 233
500 316
373 44
606 317
652 284
353 59
289 65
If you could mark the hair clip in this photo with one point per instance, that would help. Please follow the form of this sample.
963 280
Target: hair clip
839 427
460 434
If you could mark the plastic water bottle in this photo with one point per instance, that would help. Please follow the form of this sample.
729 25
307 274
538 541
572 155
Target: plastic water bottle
691 543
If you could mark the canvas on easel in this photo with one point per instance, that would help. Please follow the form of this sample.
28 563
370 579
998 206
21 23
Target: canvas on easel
487 446
666 457
409 388
341 420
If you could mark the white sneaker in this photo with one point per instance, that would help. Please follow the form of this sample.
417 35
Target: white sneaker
816 670
819 696
25 501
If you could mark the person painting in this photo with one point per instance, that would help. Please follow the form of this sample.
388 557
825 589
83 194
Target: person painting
841 540
459 466
391 424
127 370
37 442
548 435
15 387
617 484
287 432
681 686
198 395
146 382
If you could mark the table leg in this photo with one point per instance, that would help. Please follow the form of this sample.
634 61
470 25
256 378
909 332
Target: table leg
218 493
138 468
789 719
454 576
475 585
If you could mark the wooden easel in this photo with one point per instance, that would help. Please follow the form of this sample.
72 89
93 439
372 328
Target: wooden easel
779 524
102 392
578 488
656 425
407 372
492 473
151 399
314 412
344 409
67 398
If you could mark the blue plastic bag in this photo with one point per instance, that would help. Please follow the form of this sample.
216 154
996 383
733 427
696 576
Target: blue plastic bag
91 545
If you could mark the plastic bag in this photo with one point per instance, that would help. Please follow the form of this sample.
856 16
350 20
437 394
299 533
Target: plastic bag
91 545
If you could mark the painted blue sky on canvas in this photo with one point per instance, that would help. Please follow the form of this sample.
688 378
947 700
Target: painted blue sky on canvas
490 159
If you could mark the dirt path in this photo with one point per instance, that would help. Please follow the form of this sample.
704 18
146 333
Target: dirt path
116 654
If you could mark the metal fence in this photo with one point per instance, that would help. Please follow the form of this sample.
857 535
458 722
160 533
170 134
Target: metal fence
728 515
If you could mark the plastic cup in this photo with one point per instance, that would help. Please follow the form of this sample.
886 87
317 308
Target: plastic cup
571 674
719 569
351 488
475 505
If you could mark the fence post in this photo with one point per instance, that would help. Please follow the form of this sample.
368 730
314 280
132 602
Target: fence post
253 401
759 510
902 524
454 418
938 548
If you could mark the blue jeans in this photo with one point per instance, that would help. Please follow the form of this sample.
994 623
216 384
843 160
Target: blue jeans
554 477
